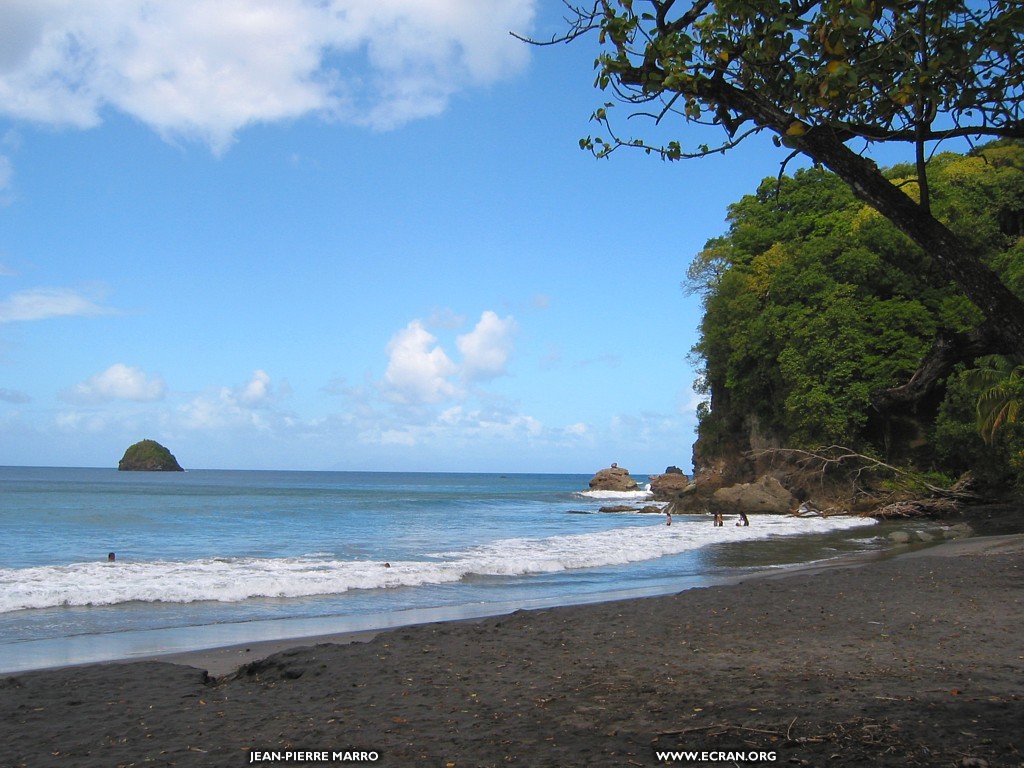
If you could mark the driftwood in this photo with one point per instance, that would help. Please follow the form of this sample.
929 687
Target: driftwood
805 510
859 466
918 508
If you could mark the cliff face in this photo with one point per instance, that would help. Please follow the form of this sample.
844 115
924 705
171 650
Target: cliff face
833 349
747 468
148 456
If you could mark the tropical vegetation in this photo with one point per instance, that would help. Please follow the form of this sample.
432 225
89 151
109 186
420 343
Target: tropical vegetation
148 456
825 78
811 332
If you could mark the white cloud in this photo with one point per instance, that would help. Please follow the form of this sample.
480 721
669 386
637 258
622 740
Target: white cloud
83 422
239 406
44 303
406 437
257 391
418 370
205 412
118 382
490 422
457 427
487 348
204 69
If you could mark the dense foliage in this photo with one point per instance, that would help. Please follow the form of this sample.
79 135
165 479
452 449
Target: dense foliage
823 77
807 319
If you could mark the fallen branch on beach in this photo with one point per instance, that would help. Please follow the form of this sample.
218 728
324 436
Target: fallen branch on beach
722 728
858 466
808 511
917 508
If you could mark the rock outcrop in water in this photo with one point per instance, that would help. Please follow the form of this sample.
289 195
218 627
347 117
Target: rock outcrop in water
148 456
615 478
670 486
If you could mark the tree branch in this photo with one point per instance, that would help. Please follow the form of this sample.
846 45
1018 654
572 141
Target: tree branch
584 22
947 351
834 457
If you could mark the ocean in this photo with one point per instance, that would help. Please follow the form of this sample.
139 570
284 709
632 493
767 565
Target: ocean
209 558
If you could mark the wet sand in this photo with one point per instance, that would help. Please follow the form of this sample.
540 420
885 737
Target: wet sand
915 660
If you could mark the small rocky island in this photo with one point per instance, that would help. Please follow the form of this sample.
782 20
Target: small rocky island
614 478
148 456
673 485
669 487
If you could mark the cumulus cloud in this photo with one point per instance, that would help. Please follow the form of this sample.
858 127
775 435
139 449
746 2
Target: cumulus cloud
420 372
418 369
206 68
257 391
487 348
234 406
493 422
118 382
44 303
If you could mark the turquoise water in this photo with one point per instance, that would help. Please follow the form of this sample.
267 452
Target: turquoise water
207 557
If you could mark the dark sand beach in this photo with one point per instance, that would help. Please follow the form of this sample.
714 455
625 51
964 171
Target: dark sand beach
916 660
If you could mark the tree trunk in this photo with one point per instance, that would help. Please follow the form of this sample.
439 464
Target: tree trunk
948 350
1001 307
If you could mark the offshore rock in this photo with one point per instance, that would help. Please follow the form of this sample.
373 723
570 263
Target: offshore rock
764 496
615 478
148 456
670 486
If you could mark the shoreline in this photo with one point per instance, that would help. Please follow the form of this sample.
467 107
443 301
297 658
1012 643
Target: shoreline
210 630
222 648
214 647
273 635
907 660
225 660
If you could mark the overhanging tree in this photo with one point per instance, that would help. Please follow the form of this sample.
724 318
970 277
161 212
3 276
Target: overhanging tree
829 78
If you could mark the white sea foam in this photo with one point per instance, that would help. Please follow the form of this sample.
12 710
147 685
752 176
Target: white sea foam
237 579
617 495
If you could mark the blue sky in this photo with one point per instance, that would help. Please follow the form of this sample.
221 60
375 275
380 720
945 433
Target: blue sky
337 235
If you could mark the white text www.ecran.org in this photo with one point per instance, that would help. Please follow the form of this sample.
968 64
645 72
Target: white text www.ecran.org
716 756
